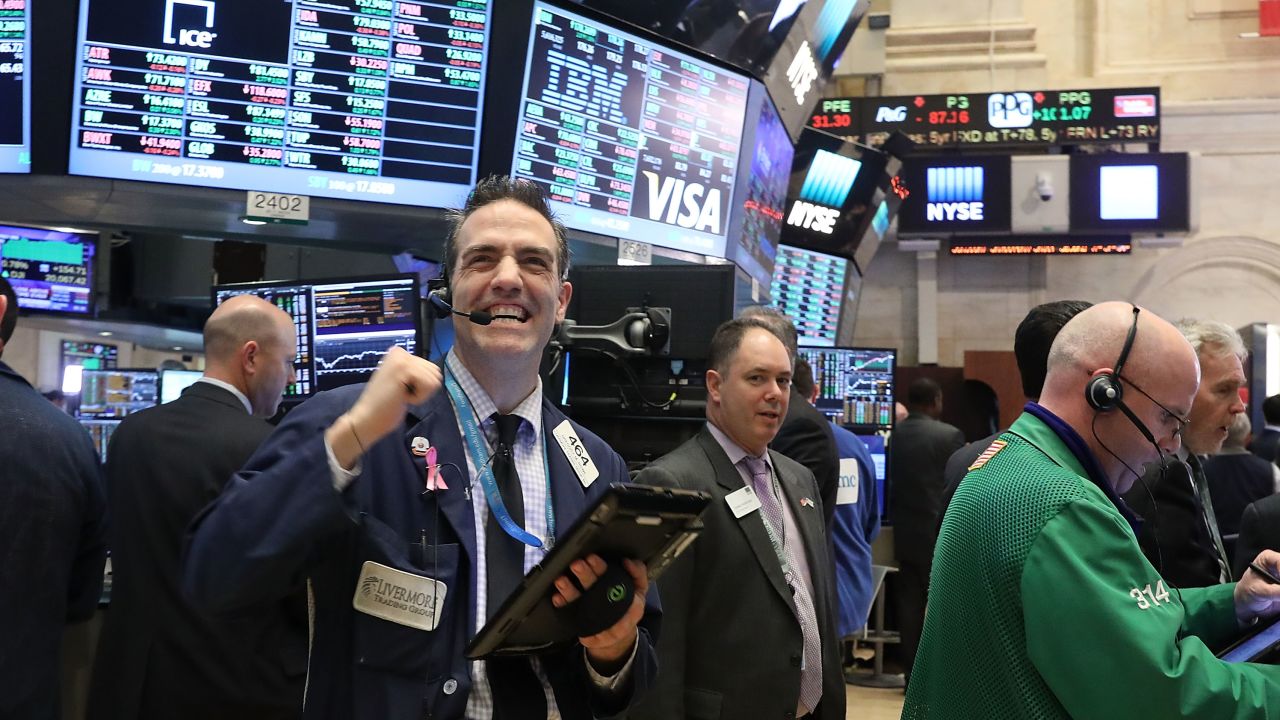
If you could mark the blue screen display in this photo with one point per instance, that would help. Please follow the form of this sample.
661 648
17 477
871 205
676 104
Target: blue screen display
765 197
49 270
349 99
15 87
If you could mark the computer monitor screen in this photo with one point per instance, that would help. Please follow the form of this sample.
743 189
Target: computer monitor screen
809 288
88 354
173 382
956 194
855 385
15 86
355 100
50 270
117 393
758 216
832 183
875 444
343 327
1148 192
627 136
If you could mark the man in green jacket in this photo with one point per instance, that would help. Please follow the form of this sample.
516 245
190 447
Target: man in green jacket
1042 605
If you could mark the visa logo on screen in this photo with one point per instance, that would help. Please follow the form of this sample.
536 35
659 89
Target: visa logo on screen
825 190
668 195
955 194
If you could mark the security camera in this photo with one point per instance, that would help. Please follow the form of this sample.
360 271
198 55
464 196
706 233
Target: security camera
1044 186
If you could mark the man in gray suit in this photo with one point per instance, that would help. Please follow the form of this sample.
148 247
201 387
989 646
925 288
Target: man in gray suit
747 618
918 453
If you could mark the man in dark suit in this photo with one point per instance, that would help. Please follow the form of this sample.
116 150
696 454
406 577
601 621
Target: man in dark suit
52 535
160 657
805 435
918 454
748 625
1180 534
1237 478
1266 443
1259 530
1031 343
414 513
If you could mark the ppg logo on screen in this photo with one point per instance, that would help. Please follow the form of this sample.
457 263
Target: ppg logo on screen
955 194
824 192
185 36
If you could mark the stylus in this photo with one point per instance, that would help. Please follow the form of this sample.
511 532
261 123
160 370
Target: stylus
1254 566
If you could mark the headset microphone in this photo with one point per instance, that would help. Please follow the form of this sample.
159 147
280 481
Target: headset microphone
443 308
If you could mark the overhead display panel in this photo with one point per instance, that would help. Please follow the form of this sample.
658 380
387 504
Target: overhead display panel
1002 119
627 137
758 217
15 89
809 287
50 270
351 99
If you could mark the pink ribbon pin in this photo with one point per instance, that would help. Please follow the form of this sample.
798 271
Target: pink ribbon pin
435 481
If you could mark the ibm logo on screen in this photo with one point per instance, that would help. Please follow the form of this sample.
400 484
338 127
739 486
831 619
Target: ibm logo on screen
824 192
955 193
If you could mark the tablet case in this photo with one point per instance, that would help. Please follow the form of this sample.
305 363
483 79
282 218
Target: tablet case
642 522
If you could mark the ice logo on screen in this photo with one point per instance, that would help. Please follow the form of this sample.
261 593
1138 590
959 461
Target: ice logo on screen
955 193
1010 110
824 192
1129 192
190 37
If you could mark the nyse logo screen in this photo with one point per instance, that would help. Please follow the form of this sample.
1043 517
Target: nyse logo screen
955 194
825 190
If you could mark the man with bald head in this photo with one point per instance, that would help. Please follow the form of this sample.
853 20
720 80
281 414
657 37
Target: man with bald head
1041 603
160 657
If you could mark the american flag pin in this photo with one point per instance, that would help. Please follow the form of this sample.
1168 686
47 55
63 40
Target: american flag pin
806 502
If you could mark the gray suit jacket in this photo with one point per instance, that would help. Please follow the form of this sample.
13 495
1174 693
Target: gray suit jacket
731 646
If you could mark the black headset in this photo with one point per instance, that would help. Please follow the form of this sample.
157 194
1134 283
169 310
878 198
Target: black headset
1106 391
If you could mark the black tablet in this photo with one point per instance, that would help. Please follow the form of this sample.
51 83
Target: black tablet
1258 645
642 522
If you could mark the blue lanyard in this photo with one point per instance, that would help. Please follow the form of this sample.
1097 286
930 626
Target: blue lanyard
477 448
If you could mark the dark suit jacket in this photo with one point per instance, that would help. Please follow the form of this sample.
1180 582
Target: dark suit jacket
281 520
1259 530
160 656
1174 535
731 645
805 436
52 543
1236 478
919 450
1265 444
957 467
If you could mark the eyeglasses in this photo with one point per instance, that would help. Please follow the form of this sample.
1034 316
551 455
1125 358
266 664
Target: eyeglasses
1169 415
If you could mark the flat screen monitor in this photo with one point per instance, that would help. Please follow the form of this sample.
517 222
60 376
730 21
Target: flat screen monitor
809 288
50 270
343 327
89 355
875 445
855 385
757 217
173 382
118 393
1148 192
15 86
832 183
348 99
629 137
956 194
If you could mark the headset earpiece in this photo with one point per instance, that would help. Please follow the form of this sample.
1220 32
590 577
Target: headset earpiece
1103 392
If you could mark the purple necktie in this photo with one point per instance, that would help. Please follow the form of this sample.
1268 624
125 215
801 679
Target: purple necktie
771 508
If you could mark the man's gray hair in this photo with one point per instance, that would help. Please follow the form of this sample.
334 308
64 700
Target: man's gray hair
1212 338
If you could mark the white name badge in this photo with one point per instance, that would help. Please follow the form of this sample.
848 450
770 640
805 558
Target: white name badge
742 501
576 452
847 492
400 597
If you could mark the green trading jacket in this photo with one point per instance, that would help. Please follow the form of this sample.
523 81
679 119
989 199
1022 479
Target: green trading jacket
1041 605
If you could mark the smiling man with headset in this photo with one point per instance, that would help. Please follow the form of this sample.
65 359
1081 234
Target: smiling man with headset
1041 603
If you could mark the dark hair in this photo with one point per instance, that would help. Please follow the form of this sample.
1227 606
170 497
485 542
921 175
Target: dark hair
923 392
10 319
802 378
496 188
727 338
778 324
1271 410
1034 337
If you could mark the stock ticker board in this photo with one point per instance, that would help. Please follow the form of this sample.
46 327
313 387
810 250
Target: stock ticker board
1003 119
351 99
15 88
627 137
